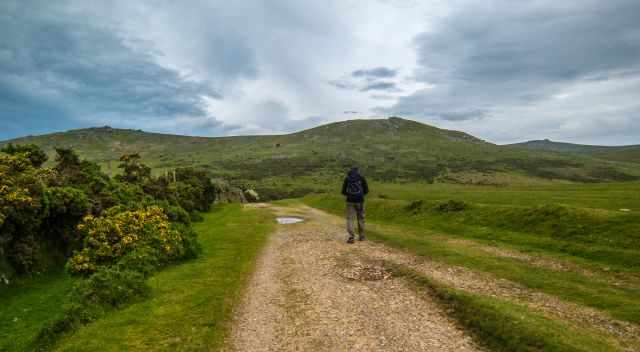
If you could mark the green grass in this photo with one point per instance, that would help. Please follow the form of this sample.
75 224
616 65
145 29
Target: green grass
606 246
29 305
191 304
610 196
505 326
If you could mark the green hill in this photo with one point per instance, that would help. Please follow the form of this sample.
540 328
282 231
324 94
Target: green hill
393 149
628 153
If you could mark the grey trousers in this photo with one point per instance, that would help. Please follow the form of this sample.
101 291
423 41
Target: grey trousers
355 211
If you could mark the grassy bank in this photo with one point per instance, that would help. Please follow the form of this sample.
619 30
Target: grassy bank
190 304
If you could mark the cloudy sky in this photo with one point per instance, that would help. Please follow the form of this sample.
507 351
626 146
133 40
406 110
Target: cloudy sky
503 70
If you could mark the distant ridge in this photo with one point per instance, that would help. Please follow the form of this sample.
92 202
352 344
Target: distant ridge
627 153
392 149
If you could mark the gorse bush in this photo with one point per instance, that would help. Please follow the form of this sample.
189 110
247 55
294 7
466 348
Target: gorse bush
143 236
32 152
40 208
91 298
112 232
110 287
22 210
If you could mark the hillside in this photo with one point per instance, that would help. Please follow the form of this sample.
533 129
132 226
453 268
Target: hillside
628 153
393 149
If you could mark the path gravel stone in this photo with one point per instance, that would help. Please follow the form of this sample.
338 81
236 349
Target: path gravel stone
310 292
313 292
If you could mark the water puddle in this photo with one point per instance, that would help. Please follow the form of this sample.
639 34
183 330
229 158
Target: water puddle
288 219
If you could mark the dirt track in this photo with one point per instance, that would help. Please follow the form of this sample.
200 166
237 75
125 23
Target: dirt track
313 292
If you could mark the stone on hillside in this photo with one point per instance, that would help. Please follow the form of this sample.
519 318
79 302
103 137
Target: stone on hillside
251 195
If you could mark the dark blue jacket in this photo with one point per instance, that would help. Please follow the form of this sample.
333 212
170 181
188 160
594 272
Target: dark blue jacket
355 177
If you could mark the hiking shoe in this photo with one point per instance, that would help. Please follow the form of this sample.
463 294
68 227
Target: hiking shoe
350 240
361 238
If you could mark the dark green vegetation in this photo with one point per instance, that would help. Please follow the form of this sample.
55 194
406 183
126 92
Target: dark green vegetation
292 165
629 153
580 226
190 304
112 233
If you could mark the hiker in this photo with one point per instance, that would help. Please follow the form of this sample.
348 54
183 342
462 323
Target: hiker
355 188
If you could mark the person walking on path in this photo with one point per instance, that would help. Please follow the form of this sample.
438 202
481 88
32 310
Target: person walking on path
355 188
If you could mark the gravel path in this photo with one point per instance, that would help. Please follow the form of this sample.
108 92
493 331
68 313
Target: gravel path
310 292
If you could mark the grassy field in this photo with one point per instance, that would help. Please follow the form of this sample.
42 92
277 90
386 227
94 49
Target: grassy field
190 304
579 226
608 196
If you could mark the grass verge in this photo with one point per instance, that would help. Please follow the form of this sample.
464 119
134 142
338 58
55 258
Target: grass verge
191 304
504 326
28 306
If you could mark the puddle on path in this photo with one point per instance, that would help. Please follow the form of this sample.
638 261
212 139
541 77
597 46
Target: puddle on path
288 219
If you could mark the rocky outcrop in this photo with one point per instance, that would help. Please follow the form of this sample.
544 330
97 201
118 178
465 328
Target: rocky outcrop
225 193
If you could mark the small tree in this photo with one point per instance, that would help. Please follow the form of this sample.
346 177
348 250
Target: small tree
66 159
133 170
30 151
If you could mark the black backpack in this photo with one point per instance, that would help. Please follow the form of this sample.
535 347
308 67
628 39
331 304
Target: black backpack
354 187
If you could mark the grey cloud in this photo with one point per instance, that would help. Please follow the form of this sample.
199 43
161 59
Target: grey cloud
384 86
60 70
540 40
383 97
461 115
342 84
378 72
486 58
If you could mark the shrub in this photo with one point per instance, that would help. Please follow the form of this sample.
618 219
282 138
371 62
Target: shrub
32 152
25 254
86 176
119 233
21 210
451 206
66 207
133 170
190 188
415 206
91 298
110 287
